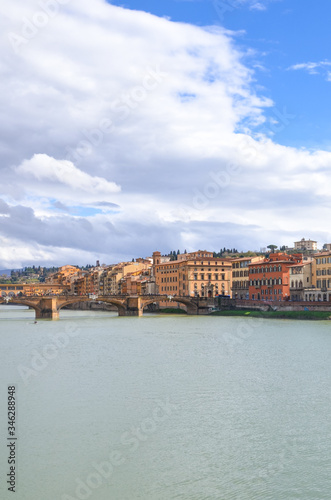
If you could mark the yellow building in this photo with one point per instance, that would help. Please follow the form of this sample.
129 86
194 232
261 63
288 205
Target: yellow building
64 275
110 282
321 278
32 289
203 276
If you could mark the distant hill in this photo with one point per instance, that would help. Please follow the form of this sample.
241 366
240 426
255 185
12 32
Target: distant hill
8 271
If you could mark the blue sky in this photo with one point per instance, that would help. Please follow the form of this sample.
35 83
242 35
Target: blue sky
276 35
141 126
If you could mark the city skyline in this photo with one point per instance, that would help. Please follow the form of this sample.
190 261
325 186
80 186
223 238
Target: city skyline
165 125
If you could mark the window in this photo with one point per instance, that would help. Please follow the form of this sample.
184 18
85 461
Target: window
209 277
202 276
223 277
195 277
216 277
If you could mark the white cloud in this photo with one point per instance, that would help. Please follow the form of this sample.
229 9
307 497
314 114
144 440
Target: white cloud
146 127
258 6
313 68
43 174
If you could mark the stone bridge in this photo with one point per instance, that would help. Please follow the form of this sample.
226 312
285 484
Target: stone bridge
49 307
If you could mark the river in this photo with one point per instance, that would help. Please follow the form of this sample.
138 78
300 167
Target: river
166 407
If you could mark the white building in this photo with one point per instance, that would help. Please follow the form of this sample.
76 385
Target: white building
305 245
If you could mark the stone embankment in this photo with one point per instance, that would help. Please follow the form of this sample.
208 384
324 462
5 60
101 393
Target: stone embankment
280 306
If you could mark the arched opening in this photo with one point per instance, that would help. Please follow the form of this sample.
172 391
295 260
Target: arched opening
118 304
190 306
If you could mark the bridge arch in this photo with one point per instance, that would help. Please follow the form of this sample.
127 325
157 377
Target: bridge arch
191 307
116 302
19 302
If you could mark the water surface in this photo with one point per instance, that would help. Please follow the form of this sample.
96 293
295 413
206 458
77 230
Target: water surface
167 407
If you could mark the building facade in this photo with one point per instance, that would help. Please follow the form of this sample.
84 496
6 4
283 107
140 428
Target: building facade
303 245
269 279
301 279
195 277
321 280
240 276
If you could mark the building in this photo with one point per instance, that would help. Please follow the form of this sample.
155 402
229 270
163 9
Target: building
195 255
64 275
136 283
269 279
301 279
321 280
308 245
110 281
203 276
240 276
29 290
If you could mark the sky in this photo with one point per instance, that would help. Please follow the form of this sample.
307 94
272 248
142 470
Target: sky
135 126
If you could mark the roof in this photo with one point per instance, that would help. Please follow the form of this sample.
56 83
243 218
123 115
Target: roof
237 259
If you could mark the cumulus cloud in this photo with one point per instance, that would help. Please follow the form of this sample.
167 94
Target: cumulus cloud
44 174
125 132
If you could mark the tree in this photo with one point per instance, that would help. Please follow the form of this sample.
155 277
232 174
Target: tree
272 248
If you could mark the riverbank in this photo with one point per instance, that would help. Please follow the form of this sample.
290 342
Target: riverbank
302 315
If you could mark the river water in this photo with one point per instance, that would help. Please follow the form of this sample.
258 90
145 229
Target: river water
166 407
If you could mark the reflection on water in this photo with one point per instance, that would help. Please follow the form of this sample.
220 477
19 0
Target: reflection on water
167 407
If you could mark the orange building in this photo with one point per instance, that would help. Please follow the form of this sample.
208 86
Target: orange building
64 275
269 279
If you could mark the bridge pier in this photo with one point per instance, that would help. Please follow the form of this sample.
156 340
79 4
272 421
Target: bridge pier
133 307
47 309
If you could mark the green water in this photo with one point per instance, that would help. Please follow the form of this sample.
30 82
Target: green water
166 407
